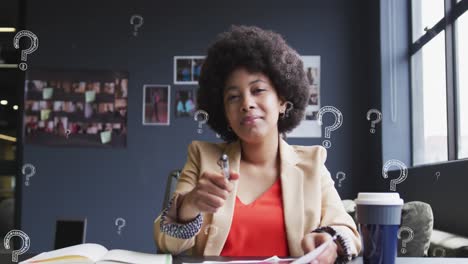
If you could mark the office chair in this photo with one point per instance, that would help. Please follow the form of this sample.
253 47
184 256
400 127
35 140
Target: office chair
170 187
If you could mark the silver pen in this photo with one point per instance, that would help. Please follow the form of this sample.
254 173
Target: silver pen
224 160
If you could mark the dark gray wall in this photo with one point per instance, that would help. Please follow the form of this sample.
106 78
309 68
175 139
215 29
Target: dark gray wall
103 184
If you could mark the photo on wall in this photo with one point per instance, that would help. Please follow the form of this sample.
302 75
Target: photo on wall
184 105
156 98
79 108
187 69
309 126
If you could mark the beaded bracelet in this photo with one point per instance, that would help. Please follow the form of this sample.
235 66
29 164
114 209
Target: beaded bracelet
342 241
177 230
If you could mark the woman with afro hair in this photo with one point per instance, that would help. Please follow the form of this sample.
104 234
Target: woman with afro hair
278 199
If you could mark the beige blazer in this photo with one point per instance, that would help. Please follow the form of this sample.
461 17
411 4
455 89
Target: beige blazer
310 199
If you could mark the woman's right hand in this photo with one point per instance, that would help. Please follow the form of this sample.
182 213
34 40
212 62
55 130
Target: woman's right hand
208 196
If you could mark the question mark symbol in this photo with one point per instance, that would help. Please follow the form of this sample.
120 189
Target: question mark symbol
377 120
34 45
23 249
120 219
202 120
137 25
340 179
211 229
32 171
403 172
408 239
68 132
335 126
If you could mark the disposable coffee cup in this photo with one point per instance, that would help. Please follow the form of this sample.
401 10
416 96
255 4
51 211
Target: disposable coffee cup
379 217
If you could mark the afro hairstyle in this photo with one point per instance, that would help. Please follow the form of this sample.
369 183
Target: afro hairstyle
258 51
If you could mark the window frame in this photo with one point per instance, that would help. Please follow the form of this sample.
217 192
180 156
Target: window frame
453 9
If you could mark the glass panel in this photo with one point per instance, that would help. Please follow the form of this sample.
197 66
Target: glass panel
425 14
429 103
462 69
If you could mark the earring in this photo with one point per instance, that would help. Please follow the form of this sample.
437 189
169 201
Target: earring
229 128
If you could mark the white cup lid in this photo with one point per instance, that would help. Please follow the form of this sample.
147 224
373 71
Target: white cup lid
368 198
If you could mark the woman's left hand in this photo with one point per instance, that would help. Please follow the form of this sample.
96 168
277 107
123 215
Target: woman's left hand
313 240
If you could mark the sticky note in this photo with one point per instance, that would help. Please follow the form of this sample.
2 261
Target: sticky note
106 137
47 93
45 113
90 96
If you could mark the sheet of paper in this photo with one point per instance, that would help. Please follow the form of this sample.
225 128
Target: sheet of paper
273 259
307 258
126 256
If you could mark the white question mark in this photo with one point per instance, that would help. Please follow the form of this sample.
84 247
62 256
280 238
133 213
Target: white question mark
34 45
434 252
32 171
377 120
335 126
340 179
68 132
211 229
24 247
408 239
120 219
202 121
137 25
403 172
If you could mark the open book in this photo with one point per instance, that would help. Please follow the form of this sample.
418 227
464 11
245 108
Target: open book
95 253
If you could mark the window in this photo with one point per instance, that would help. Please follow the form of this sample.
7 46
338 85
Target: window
439 90
430 135
425 14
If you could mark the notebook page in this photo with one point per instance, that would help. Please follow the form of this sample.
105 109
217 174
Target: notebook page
133 257
91 251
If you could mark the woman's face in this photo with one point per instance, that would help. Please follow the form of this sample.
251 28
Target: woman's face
252 105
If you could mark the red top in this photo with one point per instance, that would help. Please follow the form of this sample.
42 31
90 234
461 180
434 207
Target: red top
258 228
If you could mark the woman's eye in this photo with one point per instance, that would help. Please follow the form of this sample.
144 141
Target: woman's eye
258 90
231 97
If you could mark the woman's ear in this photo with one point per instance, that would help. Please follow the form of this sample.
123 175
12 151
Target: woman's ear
283 104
